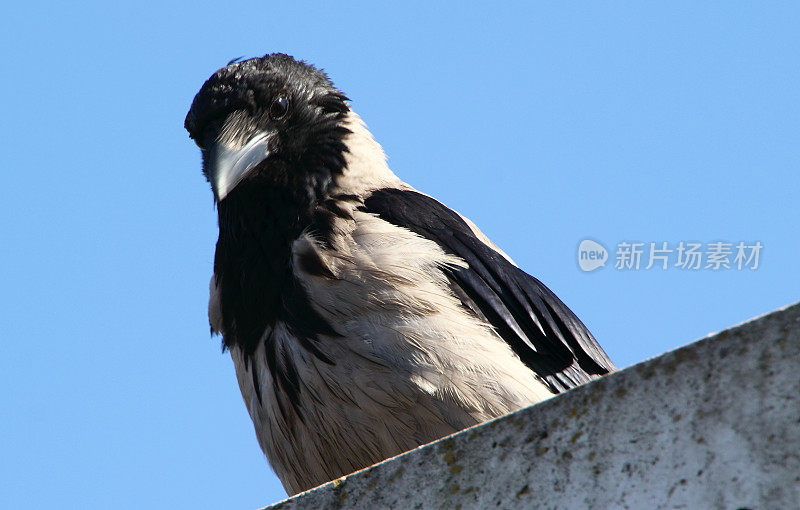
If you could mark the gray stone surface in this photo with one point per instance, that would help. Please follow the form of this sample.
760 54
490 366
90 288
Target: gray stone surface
714 424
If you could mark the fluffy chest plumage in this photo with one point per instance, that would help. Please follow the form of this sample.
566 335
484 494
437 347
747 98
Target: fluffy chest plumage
405 362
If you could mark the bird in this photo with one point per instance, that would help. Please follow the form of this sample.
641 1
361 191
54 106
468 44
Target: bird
364 318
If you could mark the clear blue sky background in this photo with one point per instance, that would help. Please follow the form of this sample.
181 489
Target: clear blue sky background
544 124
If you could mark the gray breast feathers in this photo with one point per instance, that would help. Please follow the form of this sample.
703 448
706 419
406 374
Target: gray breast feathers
411 362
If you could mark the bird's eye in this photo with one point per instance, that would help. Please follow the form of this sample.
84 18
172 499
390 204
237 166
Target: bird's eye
279 108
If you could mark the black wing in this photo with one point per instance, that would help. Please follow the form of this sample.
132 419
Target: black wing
544 333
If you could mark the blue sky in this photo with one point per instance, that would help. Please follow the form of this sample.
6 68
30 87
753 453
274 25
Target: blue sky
545 124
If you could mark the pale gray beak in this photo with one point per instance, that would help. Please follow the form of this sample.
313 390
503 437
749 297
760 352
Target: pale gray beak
227 166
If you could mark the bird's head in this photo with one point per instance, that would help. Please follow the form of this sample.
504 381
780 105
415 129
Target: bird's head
272 120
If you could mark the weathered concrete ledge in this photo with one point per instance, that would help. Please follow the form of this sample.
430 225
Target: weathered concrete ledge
714 424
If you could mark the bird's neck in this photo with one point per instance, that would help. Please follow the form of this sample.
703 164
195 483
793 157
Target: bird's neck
365 166
257 225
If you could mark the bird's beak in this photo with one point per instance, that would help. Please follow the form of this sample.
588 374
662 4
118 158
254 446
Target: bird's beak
227 165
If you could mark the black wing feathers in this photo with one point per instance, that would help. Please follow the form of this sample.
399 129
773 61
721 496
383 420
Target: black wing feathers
544 333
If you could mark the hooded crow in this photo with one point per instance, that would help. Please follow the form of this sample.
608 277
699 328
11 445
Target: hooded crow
364 318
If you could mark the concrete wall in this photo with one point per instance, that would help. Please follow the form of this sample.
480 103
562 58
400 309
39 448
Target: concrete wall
715 424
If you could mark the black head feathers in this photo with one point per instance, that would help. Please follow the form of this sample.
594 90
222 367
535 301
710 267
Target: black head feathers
251 84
